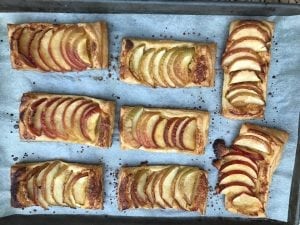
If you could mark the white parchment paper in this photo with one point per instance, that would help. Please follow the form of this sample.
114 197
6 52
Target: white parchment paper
283 104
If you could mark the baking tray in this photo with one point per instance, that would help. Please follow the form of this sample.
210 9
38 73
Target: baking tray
161 7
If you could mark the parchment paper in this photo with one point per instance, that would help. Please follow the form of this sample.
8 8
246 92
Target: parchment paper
282 111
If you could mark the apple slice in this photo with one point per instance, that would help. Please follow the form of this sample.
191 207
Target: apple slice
24 41
236 53
143 133
144 67
166 185
260 134
34 117
158 133
181 65
79 187
135 60
267 28
34 51
46 183
81 52
244 63
168 130
239 165
170 67
188 134
248 153
236 176
55 49
235 92
244 76
148 189
245 98
246 85
104 128
155 65
65 47
163 67
149 129
242 156
249 30
174 133
248 203
156 188
256 44
58 184
138 194
178 196
253 142
37 187
179 132
89 120
128 126
43 50
234 188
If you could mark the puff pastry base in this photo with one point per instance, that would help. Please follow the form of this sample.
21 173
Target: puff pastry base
167 63
56 183
66 118
164 130
246 168
166 186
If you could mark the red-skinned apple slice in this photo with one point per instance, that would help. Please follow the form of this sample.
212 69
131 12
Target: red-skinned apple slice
138 194
156 189
249 30
256 44
81 50
24 41
92 111
168 129
232 55
55 49
239 165
158 134
253 142
34 117
233 155
250 154
148 188
149 130
262 25
175 131
260 134
234 188
245 76
236 176
44 53
244 63
188 134
37 188
34 50
141 130
180 131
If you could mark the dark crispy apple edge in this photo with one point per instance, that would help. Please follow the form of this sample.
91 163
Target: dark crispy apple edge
129 43
19 171
201 117
99 52
106 106
126 176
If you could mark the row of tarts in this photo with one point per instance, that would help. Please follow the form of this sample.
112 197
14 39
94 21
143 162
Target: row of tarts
245 168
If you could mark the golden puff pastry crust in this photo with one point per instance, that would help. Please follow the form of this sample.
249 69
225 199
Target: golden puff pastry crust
66 118
167 63
49 47
246 62
161 187
57 183
246 168
163 130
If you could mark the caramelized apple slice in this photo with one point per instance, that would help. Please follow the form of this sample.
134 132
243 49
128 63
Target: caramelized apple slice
181 65
166 185
149 187
149 129
168 131
37 187
43 50
244 76
244 63
257 156
141 130
55 49
253 142
89 120
170 67
173 133
24 41
138 194
155 65
135 60
245 98
158 135
236 176
58 184
163 68
144 67
34 54
179 132
256 44
249 30
262 24
239 165
234 188
236 53
34 117
248 203
188 135
128 125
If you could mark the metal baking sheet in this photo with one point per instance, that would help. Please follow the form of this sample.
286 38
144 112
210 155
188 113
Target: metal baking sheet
105 84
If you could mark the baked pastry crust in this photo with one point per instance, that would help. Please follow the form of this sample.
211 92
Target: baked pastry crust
246 168
245 63
47 47
56 183
193 64
160 187
163 130
66 118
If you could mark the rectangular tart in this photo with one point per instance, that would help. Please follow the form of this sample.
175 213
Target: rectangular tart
47 47
167 63
165 130
56 183
66 118
246 168
164 186
246 63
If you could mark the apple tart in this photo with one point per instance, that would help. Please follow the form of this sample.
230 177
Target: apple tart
56 183
49 47
67 118
167 63
246 168
246 63
165 130
167 186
